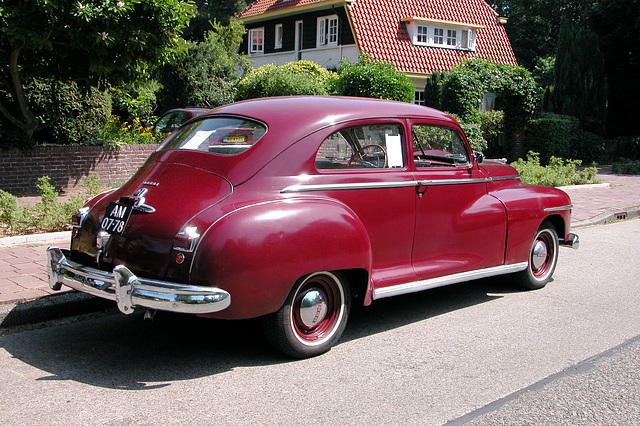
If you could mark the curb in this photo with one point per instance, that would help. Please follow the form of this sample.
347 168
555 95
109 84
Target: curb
5 241
52 307
606 217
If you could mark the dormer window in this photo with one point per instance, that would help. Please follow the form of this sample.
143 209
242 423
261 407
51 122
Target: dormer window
434 33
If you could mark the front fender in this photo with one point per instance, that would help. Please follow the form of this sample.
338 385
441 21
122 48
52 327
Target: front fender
258 252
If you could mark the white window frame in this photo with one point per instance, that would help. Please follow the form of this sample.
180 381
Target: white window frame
422 34
328 30
278 37
418 96
443 34
256 45
452 37
438 36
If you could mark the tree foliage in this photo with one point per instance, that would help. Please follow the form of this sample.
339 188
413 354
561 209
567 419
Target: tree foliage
87 41
373 79
206 72
210 11
580 88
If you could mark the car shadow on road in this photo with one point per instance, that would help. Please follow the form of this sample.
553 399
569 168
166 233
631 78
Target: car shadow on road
124 352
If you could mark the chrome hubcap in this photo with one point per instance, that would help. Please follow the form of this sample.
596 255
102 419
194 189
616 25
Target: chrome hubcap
313 308
539 255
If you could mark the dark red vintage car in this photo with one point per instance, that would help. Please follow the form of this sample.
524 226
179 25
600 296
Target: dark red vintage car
289 208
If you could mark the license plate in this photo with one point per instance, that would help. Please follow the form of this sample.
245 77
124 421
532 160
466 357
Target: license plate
115 218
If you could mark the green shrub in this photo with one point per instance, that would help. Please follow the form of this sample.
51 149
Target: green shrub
369 78
47 215
627 167
117 133
624 147
292 78
558 173
560 136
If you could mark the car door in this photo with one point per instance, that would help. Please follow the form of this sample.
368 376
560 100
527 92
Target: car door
459 227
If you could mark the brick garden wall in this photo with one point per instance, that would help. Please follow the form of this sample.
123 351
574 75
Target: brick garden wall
67 166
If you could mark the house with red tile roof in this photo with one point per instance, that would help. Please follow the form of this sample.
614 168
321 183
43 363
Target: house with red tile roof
419 37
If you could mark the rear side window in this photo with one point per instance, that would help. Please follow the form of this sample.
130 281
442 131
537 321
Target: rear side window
216 135
374 146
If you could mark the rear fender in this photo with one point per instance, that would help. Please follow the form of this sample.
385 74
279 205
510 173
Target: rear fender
258 252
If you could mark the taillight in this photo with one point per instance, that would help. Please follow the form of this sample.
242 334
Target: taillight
185 240
77 220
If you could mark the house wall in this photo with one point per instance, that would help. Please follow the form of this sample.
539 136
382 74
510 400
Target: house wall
309 35
326 57
68 166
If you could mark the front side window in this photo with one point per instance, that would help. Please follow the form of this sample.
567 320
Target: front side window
216 135
328 30
435 146
374 146
256 40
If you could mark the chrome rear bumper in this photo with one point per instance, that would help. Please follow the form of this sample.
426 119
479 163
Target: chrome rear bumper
129 291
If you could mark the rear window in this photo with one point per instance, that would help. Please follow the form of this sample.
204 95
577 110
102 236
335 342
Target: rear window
216 135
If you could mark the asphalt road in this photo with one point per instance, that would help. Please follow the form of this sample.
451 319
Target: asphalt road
477 352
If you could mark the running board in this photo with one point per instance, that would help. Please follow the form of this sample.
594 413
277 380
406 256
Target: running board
414 286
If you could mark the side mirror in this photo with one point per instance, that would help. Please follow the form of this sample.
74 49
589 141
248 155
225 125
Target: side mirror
479 157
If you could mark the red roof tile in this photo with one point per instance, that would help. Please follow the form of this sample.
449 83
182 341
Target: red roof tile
264 6
380 32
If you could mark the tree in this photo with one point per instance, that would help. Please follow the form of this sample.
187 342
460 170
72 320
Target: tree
206 72
210 11
580 88
86 41
617 24
533 25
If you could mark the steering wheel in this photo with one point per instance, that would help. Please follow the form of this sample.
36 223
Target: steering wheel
374 156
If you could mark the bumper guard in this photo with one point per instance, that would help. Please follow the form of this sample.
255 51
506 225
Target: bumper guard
129 291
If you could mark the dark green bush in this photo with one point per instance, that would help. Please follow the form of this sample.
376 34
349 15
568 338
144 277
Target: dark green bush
627 167
560 136
627 147
369 78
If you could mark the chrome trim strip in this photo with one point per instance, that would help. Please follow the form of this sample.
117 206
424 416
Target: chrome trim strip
559 209
130 291
505 177
343 186
412 287
451 181
378 185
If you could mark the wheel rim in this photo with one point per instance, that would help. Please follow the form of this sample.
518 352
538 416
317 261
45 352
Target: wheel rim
543 255
317 308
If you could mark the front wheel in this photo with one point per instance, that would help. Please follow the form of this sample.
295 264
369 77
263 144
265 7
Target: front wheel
543 257
312 318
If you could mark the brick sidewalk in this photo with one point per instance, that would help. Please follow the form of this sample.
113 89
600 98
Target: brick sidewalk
23 274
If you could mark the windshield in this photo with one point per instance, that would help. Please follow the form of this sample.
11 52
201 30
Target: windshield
216 135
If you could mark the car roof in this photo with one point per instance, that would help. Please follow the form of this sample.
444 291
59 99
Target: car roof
314 112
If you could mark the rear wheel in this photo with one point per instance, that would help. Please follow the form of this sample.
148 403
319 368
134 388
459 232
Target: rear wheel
312 318
543 257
